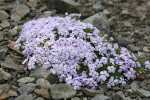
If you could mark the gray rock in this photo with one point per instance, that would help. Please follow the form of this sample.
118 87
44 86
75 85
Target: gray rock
1 91
14 31
5 87
133 48
43 83
100 21
39 72
52 78
9 63
33 3
4 75
89 92
134 85
120 94
26 80
103 89
3 52
24 97
98 6
62 91
5 24
100 97
76 98
42 92
143 93
3 15
48 13
28 88
19 12
124 41
1 36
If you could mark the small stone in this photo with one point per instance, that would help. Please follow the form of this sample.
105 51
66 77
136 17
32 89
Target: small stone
120 94
98 6
48 13
143 93
76 98
24 97
33 3
28 88
13 32
1 91
89 92
133 48
103 89
52 78
62 91
9 63
43 83
124 41
42 92
3 52
40 98
134 85
5 24
39 72
5 87
100 97
116 88
124 12
10 93
4 75
3 15
145 49
19 12
106 12
1 36
26 80
127 23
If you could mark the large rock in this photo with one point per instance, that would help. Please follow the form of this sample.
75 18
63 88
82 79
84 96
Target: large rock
100 97
10 64
100 21
143 93
62 91
5 87
3 15
42 92
19 12
10 93
28 88
5 24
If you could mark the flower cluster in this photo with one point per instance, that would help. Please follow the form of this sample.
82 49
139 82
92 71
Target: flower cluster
76 52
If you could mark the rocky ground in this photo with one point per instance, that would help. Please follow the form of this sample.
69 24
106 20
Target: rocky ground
128 21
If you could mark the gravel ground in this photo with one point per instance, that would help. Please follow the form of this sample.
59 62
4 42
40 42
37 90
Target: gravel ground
128 21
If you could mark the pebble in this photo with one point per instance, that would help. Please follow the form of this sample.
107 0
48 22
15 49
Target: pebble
134 85
98 6
62 91
75 98
39 72
124 41
28 88
25 80
3 15
89 92
4 75
133 48
24 97
42 92
33 3
43 83
5 87
3 52
19 11
100 97
13 32
10 64
145 49
5 24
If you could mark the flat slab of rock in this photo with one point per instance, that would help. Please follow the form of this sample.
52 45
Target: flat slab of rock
10 64
28 88
143 93
26 80
19 12
100 21
62 91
